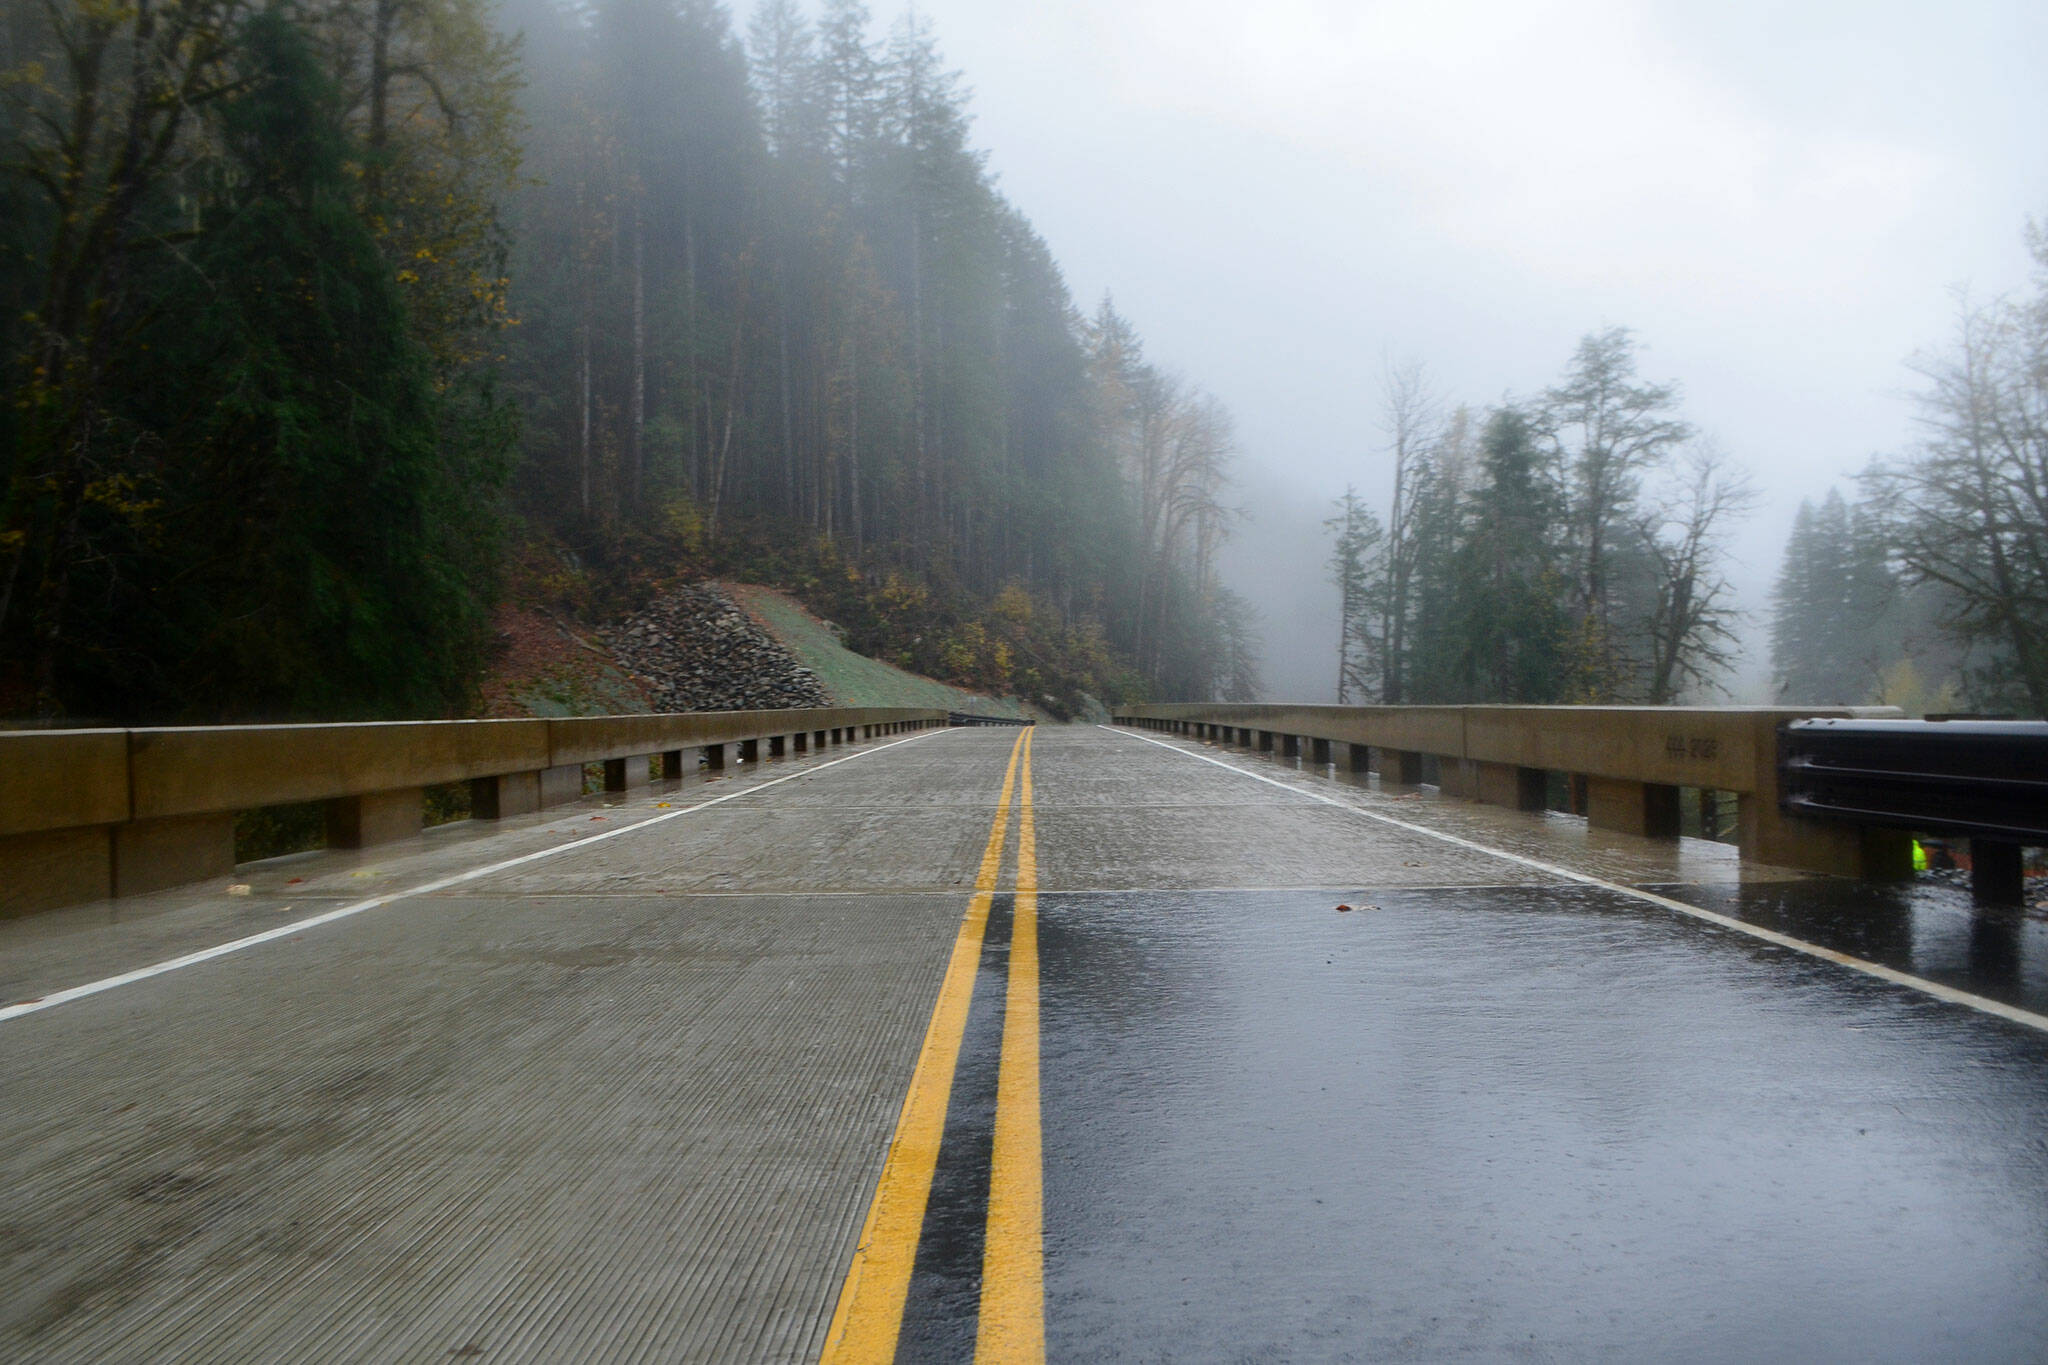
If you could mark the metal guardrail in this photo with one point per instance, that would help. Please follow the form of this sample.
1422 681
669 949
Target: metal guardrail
1983 780
968 718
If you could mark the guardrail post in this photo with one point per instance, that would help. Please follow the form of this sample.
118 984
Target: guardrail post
1319 753
1504 784
817 739
561 784
800 742
50 868
625 774
714 757
671 765
150 855
1645 808
1265 741
372 818
1401 767
750 751
778 746
1290 746
1457 777
1358 758
508 794
1998 875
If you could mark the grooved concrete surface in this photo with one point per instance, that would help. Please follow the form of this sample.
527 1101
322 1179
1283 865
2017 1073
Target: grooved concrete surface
628 1100
546 1116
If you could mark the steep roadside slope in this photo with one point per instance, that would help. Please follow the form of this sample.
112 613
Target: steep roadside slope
854 679
704 647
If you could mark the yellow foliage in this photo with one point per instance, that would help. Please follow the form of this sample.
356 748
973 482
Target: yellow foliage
1902 686
1012 605
683 523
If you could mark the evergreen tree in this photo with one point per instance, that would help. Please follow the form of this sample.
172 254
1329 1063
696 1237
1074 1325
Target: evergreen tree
1609 429
1508 592
331 528
1829 608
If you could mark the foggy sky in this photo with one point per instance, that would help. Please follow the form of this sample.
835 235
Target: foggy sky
1778 198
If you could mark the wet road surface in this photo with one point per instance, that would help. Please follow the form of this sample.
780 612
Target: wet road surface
633 1100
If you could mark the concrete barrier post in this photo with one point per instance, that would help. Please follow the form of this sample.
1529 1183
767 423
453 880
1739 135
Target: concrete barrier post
1319 753
150 855
800 742
1504 784
817 739
561 784
1265 741
714 757
1401 767
373 818
671 765
1457 777
508 794
1645 808
1290 746
625 774
750 751
1768 835
51 868
1358 758
778 746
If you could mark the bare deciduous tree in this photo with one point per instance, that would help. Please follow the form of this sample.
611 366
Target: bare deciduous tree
1412 416
1691 627
1969 508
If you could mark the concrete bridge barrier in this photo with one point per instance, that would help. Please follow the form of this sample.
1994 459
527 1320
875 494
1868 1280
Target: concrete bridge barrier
1626 765
87 814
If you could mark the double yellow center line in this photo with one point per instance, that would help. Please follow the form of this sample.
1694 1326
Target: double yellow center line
869 1318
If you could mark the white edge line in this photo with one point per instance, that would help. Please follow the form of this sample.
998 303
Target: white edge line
108 983
1950 994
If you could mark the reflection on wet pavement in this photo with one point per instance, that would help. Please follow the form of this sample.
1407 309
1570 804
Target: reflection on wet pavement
1554 1123
1926 927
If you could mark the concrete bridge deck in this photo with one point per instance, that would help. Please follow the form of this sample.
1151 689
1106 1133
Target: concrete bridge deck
618 1082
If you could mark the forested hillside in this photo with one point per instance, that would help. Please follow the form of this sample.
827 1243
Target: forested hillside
323 316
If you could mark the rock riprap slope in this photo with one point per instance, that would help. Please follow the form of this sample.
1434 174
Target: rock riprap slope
695 649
